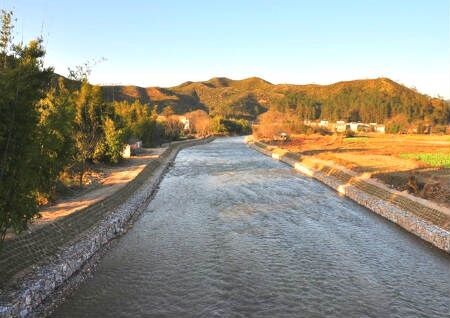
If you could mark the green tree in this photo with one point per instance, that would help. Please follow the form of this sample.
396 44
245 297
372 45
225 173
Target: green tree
111 147
23 81
88 125
56 128
218 126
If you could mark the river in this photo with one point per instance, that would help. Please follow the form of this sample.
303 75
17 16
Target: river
232 233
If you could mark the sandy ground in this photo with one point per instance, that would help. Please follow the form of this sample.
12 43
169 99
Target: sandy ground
113 179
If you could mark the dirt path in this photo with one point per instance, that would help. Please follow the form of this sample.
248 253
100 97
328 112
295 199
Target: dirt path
116 178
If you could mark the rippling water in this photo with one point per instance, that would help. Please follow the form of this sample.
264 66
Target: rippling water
232 233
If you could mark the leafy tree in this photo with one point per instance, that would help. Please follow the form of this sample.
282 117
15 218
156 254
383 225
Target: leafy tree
23 81
111 148
172 129
218 126
88 135
168 111
140 122
55 134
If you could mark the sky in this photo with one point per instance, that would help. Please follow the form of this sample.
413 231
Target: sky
165 43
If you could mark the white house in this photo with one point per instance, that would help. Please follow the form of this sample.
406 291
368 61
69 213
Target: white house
323 123
354 126
185 122
341 126
380 129
126 153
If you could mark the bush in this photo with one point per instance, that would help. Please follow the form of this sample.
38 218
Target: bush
322 131
349 133
229 126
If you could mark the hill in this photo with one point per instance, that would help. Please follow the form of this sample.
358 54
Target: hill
370 100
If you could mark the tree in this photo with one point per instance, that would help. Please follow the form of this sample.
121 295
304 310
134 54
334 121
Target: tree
6 35
168 111
200 122
113 143
23 81
89 107
55 133
172 128
140 122
218 126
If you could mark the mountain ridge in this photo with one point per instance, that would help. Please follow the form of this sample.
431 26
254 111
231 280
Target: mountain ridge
377 99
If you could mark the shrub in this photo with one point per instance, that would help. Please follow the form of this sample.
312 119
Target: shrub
322 131
349 133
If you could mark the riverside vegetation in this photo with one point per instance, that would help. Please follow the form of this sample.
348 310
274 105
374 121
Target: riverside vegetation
53 129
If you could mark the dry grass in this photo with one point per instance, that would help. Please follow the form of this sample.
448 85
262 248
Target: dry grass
386 158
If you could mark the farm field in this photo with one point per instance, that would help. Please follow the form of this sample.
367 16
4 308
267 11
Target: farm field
419 164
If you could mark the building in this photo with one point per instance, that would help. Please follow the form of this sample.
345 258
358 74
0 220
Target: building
380 129
126 153
323 123
185 122
354 126
341 126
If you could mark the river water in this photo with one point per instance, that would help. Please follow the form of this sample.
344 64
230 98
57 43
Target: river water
232 233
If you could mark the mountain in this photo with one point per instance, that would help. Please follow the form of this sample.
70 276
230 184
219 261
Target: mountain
373 100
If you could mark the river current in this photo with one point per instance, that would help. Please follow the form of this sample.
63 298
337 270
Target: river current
232 233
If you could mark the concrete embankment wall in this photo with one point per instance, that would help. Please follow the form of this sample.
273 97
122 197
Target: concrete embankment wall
418 216
44 263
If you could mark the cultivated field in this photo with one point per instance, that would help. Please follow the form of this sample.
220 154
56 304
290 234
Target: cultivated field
419 164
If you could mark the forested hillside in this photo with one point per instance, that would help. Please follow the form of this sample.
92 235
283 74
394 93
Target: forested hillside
371 100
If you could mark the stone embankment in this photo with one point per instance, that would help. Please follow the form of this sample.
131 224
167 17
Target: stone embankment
423 218
39 265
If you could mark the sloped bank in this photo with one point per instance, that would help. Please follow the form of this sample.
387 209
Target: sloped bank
46 282
418 216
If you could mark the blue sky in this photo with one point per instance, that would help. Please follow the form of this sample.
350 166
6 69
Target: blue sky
164 43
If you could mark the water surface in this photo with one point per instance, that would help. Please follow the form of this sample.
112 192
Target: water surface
232 233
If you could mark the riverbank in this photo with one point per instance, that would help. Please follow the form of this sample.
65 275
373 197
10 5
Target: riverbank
421 217
418 164
37 265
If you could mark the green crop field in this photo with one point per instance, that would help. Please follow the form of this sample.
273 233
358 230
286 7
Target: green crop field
357 139
434 159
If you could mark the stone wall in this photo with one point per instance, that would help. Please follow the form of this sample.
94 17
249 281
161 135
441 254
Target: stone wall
35 265
418 216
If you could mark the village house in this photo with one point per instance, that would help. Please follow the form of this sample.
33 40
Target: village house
323 123
341 126
380 129
133 147
354 126
185 122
